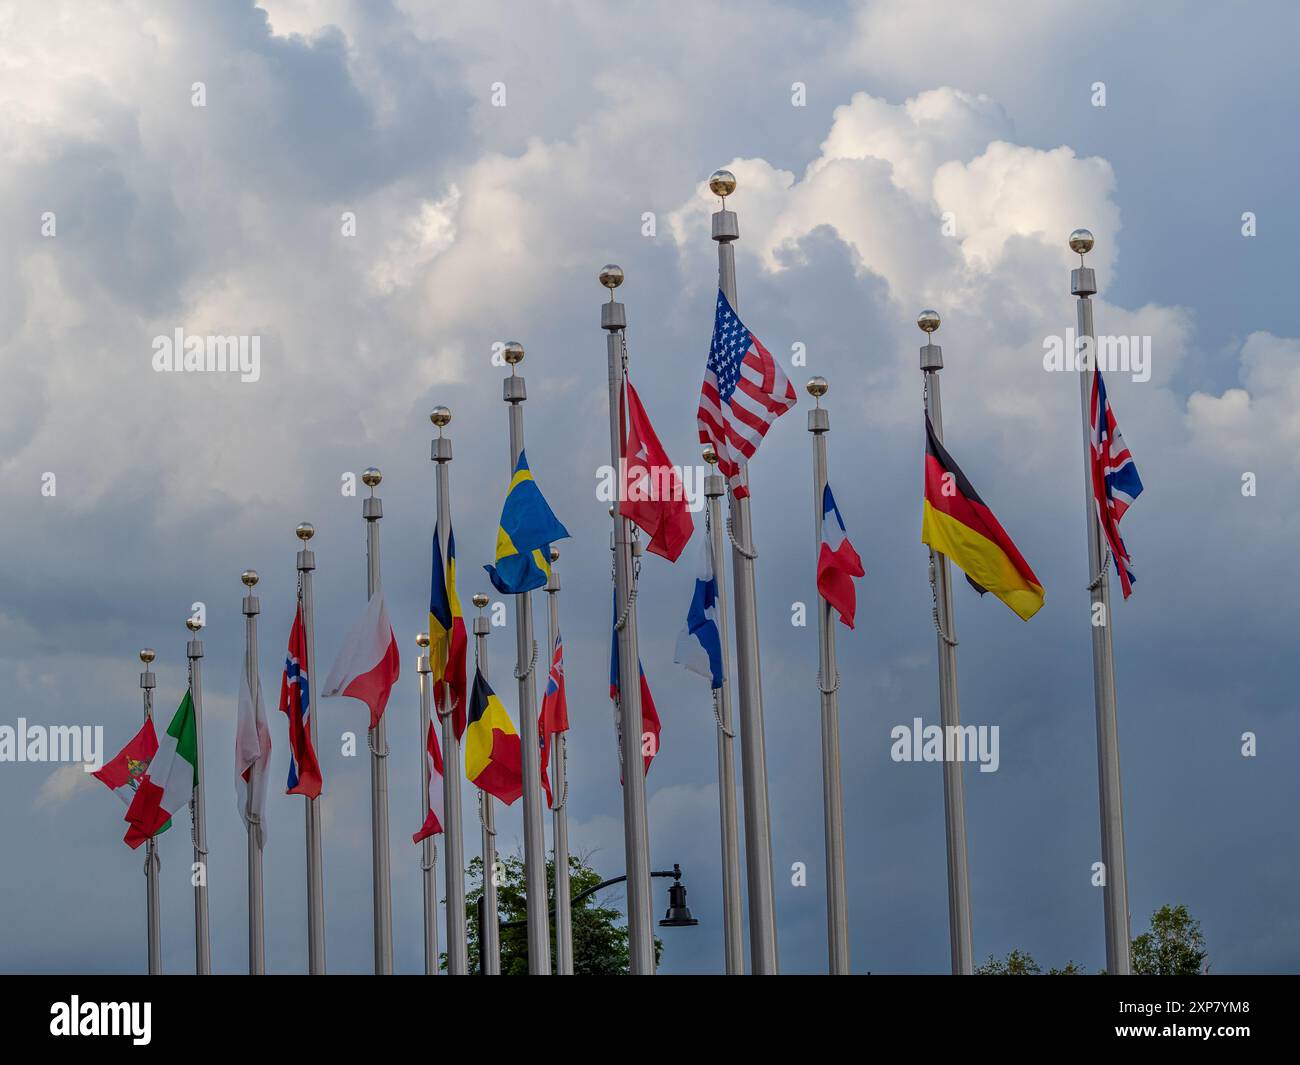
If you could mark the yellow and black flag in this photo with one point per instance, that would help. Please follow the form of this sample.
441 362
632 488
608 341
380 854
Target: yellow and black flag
493 756
957 523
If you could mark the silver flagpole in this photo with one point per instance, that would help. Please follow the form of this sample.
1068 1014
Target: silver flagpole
733 921
539 933
256 936
372 509
198 818
636 825
151 863
1083 284
828 683
560 795
749 680
954 788
453 829
306 562
428 851
489 943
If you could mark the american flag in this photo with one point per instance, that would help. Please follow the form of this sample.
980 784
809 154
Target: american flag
1115 481
744 392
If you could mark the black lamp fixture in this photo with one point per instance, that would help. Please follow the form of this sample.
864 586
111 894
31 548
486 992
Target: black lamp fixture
679 914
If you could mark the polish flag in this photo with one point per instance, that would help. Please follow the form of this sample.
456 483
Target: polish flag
367 665
837 562
433 759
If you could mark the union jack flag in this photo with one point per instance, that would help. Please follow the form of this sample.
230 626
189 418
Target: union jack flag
554 716
1115 481
295 702
744 392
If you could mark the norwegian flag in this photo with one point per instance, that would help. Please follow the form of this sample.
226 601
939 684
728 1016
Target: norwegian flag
304 770
744 392
554 716
1115 481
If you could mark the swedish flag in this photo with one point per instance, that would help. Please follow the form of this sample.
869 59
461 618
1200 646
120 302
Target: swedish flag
524 538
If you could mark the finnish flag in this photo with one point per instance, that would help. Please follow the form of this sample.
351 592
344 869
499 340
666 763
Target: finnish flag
699 648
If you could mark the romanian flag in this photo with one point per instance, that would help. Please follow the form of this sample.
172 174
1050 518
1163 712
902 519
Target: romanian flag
447 641
493 757
957 523
528 527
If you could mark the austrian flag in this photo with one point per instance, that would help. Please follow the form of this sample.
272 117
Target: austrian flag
367 665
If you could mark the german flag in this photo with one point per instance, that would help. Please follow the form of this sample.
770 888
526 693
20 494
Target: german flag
493 757
957 523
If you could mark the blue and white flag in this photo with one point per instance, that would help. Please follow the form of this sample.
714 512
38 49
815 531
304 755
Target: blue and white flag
699 647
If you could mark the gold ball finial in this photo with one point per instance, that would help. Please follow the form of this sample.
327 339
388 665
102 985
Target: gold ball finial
555 554
371 476
440 416
611 276
710 456
421 639
249 577
927 321
1081 241
479 600
193 624
305 531
147 655
817 387
722 183
513 352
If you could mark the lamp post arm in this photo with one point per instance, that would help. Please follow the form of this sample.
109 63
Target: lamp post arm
675 872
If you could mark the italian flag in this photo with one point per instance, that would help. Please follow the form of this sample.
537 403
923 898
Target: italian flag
172 778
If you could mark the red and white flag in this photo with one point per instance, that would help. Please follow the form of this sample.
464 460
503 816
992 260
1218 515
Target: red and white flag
652 495
433 759
367 665
252 752
837 562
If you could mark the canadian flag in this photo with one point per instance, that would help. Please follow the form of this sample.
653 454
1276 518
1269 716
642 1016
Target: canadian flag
367 665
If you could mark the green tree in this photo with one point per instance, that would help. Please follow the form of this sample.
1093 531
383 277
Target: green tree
1173 946
1019 963
599 933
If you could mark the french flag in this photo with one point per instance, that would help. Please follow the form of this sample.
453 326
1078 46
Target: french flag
837 562
367 665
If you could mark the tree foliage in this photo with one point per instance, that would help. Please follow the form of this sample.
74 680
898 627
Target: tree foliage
600 946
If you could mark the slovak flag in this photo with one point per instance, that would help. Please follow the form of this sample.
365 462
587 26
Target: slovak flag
699 647
433 760
837 562
367 665
554 716
295 702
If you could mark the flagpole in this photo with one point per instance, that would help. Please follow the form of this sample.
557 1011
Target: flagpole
954 788
198 818
453 829
306 563
256 914
733 921
753 745
539 933
1083 284
636 825
489 941
828 683
151 862
428 850
560 792
372 509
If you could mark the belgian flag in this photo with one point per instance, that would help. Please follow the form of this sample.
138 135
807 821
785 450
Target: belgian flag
957 523
493 756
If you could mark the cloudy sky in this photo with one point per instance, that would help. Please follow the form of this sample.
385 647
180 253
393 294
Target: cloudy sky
477 224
